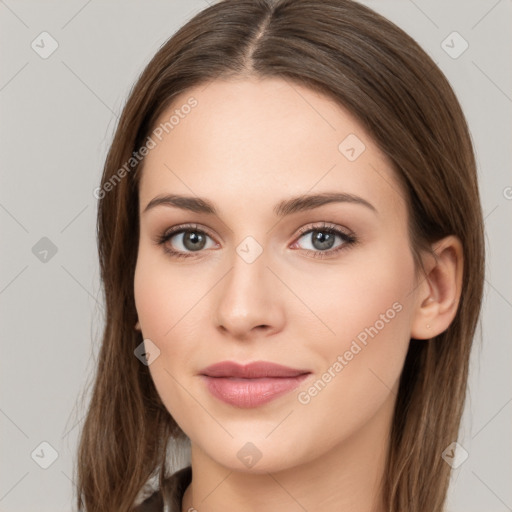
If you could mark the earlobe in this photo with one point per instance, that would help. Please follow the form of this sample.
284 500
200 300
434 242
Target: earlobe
137 326
438 295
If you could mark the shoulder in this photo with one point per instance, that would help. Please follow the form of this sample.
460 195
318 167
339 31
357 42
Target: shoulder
168 499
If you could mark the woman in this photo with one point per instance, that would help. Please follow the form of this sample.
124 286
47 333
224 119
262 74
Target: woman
291 246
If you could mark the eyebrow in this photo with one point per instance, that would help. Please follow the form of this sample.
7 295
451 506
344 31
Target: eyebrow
283 208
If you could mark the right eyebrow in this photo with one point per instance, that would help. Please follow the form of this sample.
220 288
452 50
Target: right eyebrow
193 204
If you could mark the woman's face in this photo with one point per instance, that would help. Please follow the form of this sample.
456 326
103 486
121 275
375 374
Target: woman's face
262 280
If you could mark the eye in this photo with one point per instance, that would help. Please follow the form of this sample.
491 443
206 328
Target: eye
322 239
188 239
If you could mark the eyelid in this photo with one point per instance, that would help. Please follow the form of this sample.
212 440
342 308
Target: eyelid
187 227
324 225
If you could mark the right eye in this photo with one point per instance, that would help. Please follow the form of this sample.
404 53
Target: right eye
189 240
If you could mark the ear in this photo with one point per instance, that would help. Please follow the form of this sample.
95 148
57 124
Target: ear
438 293
137 326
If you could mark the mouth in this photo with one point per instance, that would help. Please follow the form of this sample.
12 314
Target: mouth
251 385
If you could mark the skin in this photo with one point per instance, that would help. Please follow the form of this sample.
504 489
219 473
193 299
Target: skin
247 145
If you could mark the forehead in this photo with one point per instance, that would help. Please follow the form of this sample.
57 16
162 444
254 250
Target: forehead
264 139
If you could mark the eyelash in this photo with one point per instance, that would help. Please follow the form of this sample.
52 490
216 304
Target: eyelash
348 239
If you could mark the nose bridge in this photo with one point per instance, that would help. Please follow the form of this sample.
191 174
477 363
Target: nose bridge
247 296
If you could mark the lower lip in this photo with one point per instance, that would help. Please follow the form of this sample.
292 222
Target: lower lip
247 393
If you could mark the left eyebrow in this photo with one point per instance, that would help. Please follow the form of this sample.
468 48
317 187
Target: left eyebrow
309 202
282 209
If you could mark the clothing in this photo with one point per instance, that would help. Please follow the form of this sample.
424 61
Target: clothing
173 491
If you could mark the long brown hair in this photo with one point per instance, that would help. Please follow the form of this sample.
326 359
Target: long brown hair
376 71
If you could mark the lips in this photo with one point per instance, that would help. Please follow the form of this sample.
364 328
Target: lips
250 385
256 370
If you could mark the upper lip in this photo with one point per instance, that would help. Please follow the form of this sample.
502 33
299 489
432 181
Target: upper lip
255 370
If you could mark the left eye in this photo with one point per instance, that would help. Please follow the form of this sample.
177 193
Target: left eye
323 239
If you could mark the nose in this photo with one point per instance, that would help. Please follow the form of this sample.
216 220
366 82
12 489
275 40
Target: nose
249 300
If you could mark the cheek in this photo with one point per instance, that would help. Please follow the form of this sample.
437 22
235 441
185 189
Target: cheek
162 295
168 315
369 308
366 310
368 294
165 310
164 307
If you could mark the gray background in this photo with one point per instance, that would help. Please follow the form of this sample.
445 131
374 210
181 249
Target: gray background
57 119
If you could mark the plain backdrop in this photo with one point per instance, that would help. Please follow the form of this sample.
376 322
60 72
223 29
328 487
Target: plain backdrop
58 116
